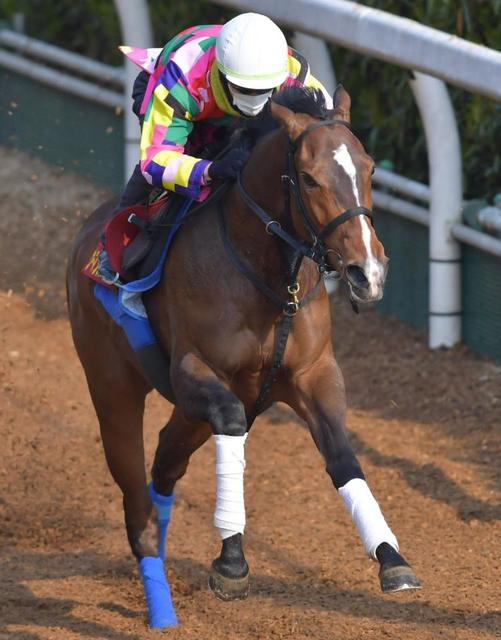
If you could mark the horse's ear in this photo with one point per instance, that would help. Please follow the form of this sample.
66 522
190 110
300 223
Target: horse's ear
342 104
287 119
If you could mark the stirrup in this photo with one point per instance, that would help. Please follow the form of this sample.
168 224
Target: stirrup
112 278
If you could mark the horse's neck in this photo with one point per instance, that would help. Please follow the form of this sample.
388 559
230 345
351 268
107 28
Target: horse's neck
262 175
262 180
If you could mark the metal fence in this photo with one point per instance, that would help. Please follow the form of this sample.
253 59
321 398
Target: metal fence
69 113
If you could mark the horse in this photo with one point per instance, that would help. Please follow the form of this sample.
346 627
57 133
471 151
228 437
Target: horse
243 315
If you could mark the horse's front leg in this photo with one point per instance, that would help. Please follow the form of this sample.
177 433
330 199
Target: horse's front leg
319 398
203 396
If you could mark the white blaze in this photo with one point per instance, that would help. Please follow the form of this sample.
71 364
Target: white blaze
343 158
373 269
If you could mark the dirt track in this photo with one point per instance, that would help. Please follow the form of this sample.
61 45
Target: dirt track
425 426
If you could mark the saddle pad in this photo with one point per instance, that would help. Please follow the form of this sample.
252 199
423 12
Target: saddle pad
152 360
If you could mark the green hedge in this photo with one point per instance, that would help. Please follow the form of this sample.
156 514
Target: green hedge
384 112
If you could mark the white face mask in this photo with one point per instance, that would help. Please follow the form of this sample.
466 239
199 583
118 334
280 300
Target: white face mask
250 105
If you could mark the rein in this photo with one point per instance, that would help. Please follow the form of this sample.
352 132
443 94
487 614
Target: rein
316 251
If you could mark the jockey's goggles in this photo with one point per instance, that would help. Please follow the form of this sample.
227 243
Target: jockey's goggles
248 92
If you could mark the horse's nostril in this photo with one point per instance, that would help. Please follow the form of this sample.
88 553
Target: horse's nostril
357 277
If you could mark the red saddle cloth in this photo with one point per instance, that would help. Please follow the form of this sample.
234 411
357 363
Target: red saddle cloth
118 233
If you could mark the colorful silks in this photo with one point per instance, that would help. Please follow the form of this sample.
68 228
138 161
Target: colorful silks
184 88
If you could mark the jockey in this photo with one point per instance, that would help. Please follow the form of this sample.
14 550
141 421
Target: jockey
196 86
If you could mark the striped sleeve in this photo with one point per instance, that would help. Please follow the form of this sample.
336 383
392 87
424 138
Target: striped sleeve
166 127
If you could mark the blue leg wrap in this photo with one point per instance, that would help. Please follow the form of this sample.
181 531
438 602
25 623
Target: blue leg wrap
163 505
156 590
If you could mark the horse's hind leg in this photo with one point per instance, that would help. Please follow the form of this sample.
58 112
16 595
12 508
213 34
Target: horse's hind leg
120 411
118 391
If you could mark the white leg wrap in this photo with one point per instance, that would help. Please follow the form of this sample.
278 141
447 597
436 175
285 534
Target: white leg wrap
229 516
367 516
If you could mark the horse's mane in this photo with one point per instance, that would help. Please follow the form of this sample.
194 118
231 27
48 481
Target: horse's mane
297 99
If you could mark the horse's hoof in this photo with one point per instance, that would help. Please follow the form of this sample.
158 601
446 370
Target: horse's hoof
226 588
394 579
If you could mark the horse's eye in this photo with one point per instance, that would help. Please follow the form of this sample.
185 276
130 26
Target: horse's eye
308 180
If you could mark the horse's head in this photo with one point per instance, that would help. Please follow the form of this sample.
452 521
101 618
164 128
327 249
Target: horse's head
331 174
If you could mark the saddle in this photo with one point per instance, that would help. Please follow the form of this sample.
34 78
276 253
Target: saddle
127 238
141 254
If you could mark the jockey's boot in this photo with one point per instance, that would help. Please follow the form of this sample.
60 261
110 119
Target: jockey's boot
105 269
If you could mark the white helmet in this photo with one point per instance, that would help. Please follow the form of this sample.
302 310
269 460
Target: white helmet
251 51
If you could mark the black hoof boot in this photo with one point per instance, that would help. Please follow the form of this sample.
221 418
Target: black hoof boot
395 574
229 574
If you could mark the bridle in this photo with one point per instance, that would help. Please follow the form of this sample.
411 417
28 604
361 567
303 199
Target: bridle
295 250
317 249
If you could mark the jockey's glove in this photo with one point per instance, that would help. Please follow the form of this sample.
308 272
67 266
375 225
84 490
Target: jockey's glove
229 166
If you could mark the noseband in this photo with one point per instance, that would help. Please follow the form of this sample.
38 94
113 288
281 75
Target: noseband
317 250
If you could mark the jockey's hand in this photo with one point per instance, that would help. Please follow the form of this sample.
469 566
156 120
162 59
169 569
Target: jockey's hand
229 165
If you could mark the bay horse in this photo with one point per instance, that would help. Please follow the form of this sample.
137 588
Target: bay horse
218 312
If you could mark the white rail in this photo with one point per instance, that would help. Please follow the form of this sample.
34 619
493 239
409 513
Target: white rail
420 215
477 239
390 38
408 187
399 207
82 65
64 82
